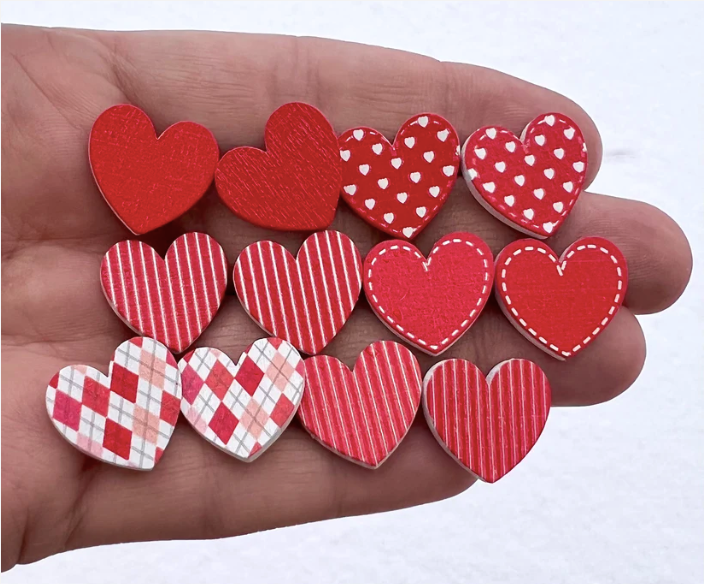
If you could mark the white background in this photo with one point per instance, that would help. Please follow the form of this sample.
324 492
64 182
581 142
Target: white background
611 493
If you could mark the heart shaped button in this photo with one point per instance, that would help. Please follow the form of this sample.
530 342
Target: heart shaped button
530 183
172 301
126 417
362 415
487 425
150 181
429 303
305 300
292 186
399 188
561 304
242 408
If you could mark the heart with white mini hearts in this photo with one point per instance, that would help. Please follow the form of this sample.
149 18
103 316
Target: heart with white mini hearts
531 183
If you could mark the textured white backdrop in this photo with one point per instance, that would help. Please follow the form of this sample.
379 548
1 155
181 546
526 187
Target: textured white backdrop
611 493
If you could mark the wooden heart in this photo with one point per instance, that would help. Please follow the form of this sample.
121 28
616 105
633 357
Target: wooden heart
292 186
149 181
399 188
172 301
362 415
429 303
305 300
242 408
561 304
487 425
126 417
530 183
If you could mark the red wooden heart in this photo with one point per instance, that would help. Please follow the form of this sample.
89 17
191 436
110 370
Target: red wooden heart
149 181
304 300
172 301
432 303
400 188
295 184
532 183
126 417
362 415
561 305
487 425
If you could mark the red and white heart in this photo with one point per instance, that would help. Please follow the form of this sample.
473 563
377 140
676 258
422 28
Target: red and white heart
150 181
489 424
362 415
399 188
126 417
429 303
242 408
530 183
172 301
292 186
561 304
305 300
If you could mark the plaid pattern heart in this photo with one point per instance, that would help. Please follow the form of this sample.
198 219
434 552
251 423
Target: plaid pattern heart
125 418
242 408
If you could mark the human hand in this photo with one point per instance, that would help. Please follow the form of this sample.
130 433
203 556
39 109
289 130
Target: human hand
56 229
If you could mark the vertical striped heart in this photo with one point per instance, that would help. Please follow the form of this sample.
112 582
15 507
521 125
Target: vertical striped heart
172 301
487 424
304 300
362 415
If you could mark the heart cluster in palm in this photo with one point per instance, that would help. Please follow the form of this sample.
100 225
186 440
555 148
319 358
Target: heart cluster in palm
487 423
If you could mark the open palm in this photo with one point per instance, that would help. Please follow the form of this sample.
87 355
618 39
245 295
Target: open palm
56 228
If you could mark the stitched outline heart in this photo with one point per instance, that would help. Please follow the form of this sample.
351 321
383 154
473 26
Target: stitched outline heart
488 425
171 300
399 188
520 273
149 181
361 430
125 418
396 297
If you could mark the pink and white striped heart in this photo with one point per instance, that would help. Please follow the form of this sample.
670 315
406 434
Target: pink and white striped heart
242 408
487 424
172 301
362 415
305 300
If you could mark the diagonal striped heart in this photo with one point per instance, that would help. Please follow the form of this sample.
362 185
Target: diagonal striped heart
171 300
487 424
362 415
304 300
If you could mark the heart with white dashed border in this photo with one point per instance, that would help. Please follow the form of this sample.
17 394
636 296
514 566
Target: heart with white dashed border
399 188
532 183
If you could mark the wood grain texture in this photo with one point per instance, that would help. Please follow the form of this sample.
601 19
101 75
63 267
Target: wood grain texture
429 303
362 415
489 424
399 188
305 300
530 183
292 186
172 300
242 408
150 181
561 304
126 417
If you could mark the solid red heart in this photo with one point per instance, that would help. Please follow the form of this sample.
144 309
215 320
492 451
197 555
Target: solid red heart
149 181
432 303
304 300
172 301
487 425
532 183
362 415
561 305
295 184
400 188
